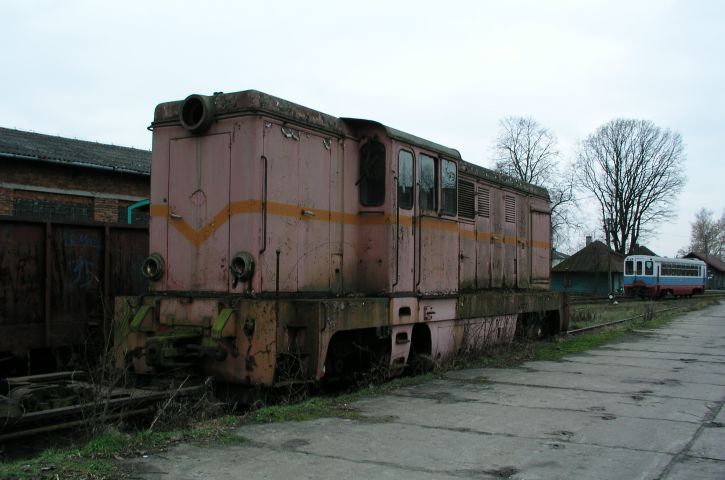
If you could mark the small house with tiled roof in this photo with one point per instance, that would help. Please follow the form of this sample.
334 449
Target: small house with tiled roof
557 257
587 271
642 250
44 177
715 269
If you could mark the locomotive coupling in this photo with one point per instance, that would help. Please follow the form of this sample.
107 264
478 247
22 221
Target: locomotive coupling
180 348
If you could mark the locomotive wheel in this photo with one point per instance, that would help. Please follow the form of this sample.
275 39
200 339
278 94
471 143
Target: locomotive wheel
420 363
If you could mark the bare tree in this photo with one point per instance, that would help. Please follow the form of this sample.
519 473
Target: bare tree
708 234
526 150
634 170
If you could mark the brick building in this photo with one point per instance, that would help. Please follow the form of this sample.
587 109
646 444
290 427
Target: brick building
44 177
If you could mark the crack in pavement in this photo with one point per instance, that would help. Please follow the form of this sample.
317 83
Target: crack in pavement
460 473
569 410
657 358
684 452
499 382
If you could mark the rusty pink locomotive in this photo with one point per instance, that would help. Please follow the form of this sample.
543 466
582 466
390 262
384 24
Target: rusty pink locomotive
291 245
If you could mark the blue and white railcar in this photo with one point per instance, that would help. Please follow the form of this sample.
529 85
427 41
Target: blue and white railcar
648 276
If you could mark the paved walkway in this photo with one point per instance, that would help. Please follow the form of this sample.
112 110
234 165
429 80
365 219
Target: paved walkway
647 408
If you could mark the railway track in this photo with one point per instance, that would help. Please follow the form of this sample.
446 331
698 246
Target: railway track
45 403
599 326
680 305
596 299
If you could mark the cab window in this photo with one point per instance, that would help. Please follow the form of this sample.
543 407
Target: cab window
428 183
372 174
629 267
648 267
405 179
639 267
449 182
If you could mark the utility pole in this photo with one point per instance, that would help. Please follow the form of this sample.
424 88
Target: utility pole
608 229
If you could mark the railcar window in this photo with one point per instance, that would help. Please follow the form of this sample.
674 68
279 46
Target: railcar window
678 270
372 174
648 267
629 267
449 182
428 183
405 179
639 268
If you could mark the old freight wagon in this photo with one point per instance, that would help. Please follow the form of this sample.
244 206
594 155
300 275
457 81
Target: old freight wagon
64 254
58 285
291 245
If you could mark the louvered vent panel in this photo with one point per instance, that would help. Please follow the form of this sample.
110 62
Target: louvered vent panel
484 202
466 207
509 204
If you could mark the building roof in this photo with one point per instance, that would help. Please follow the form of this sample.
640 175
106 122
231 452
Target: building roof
80 153
642 250
712 261
557 255
592 258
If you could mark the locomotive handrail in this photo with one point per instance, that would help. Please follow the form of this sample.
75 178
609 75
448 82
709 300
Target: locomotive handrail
397 237
264 208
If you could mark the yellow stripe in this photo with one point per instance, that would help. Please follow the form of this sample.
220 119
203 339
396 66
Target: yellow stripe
436 224
314 214
467 234
245 206
158 210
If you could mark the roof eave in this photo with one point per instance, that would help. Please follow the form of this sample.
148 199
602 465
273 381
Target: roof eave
16 156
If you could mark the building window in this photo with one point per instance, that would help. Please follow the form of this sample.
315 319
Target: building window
428 183
52 210
405 180
372 174
449 183
138 217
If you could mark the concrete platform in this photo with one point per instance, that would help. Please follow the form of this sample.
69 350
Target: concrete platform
650 407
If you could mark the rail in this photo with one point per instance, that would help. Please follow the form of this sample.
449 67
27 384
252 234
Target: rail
576 299
113 403
616 322
683 304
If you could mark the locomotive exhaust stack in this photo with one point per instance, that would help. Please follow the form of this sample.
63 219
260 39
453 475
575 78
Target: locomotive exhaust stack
197 113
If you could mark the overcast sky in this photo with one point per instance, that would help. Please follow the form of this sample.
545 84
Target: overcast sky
447 71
